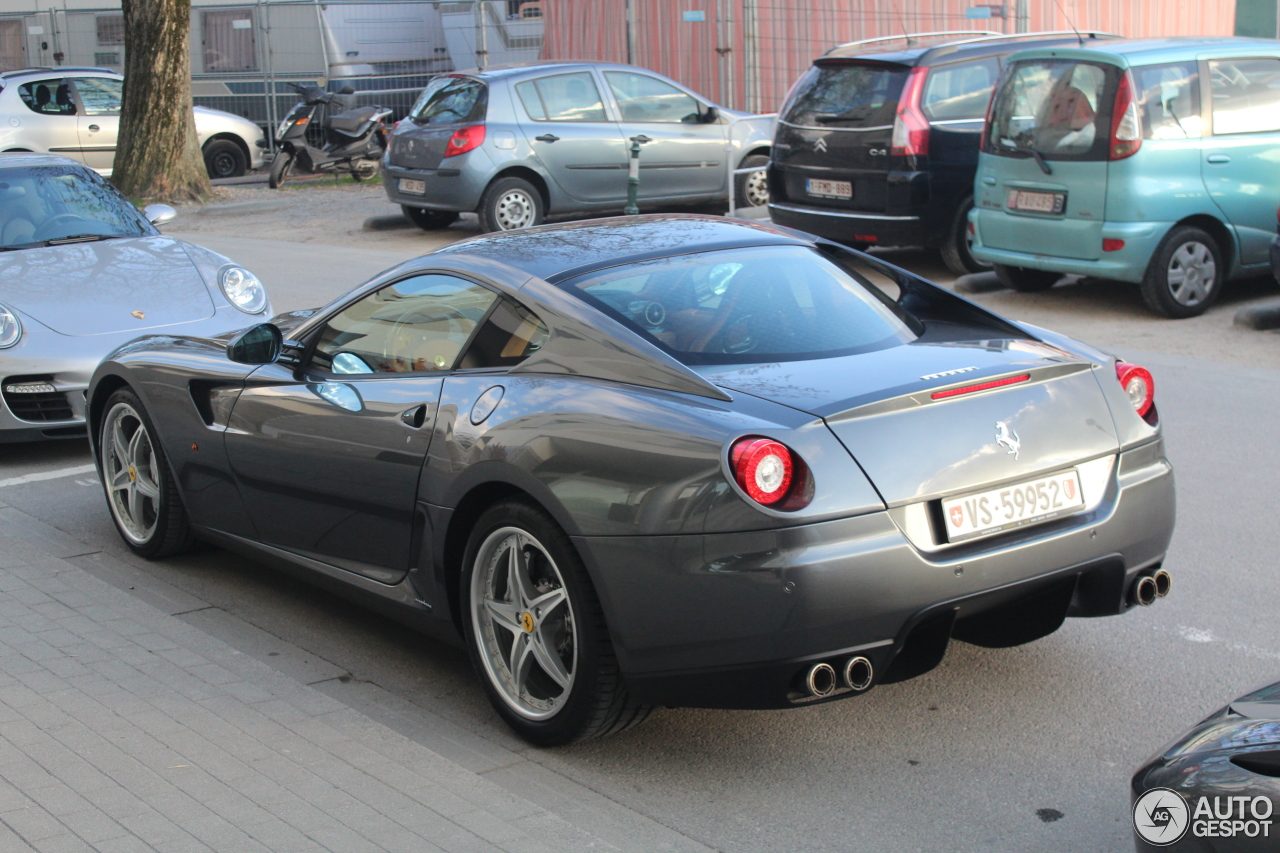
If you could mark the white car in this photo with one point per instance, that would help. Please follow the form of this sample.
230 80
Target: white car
75 112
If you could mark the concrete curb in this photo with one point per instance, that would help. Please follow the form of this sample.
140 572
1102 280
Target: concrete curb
1259 317
978 282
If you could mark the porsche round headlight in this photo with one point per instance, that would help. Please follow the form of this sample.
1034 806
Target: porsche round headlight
10 327
243 289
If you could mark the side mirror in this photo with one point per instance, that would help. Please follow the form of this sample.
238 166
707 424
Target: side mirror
260 344
159 214
709 116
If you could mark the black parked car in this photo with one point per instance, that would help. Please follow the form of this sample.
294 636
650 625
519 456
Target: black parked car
877 144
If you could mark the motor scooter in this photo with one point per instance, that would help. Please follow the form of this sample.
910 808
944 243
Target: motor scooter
352 140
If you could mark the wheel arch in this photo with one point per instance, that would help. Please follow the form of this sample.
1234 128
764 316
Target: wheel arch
103 388
527 174
230 137
1220 233
760 149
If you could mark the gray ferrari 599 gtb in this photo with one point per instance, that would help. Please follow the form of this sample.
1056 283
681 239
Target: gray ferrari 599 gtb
661 460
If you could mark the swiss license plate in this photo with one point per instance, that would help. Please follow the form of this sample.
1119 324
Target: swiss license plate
829 189
1037 202
1000 509
408 185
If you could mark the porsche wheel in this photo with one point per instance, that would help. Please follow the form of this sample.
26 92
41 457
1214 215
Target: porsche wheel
536 632
140 488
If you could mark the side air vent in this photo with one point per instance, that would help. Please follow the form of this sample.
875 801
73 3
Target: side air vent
34 398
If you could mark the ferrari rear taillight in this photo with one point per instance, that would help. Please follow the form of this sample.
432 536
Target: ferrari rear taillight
1126 128
770 473
1138 386
465 139
911 128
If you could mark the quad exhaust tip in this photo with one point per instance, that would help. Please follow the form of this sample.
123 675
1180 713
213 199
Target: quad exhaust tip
858 674
1145 591
820 680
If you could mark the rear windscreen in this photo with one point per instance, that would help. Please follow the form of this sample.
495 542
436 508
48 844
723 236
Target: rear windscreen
451 100
759 304
1060 108
862 95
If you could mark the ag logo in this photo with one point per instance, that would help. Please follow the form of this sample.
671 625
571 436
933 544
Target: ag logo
1160 817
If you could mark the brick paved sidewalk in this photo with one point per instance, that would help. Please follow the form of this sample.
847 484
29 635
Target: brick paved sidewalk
125 729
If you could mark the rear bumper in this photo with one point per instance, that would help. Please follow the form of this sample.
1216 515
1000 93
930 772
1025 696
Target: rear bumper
730 620
851 227
454 187
1128 264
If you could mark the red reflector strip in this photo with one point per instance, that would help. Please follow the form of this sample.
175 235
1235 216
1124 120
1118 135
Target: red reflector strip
981 386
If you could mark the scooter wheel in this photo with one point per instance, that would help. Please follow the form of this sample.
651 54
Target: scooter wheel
281 165
365 170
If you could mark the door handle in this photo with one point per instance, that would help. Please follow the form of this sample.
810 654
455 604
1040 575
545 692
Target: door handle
1218 158
415 417
547 137
642 139
94 128
989 180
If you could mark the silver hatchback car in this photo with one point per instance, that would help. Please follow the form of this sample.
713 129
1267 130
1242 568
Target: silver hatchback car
75 112
516 142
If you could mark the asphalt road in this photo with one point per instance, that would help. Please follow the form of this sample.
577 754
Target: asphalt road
1025 749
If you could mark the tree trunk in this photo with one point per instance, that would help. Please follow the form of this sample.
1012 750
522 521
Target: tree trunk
158 157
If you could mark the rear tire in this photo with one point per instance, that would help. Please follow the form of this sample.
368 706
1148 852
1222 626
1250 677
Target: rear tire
1185 274
429 220
956 251
752 189
365 170
141 492
510 204
224 159
1026 280
550 613
281 166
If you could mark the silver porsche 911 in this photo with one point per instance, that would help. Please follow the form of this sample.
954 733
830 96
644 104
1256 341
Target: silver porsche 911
82 272
667 460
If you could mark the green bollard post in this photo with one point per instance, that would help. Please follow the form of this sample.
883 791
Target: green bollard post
633 178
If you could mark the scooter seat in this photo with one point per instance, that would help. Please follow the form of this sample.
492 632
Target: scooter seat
352 120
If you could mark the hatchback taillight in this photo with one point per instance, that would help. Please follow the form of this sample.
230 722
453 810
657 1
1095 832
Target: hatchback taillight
770 473
465 139
1126 127
911 128
1138 386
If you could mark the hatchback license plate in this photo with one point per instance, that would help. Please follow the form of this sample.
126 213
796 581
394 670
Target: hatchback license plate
829 189
1037 202
408 185
989 512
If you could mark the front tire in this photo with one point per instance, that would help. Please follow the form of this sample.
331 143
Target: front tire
1185 274
281 166
1026 280
141 492
957 252
536 632
510 204
429 220
752 189
224 159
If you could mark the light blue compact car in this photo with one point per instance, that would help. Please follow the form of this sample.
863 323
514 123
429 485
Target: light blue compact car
1155 162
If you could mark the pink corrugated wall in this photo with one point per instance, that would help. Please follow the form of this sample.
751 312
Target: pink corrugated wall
713 55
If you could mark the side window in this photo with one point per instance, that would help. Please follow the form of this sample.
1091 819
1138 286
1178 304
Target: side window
644 98
508 337
961 91
416 325
100 95
562 97
48 97
1246 95
1169 99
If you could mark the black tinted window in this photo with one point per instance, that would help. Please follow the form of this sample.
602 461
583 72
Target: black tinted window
846 95
769 303
51 97
508 337
1246 95
960 91
451 100
562 97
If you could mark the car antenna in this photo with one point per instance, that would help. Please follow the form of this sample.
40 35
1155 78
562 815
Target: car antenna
902 22
1070 23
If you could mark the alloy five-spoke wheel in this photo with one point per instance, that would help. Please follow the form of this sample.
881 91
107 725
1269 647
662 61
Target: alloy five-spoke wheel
139 486
524 623
536 632
1185 274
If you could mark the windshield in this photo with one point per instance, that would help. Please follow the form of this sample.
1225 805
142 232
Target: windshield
43 203
451 100
768 303
1059 108
846 95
